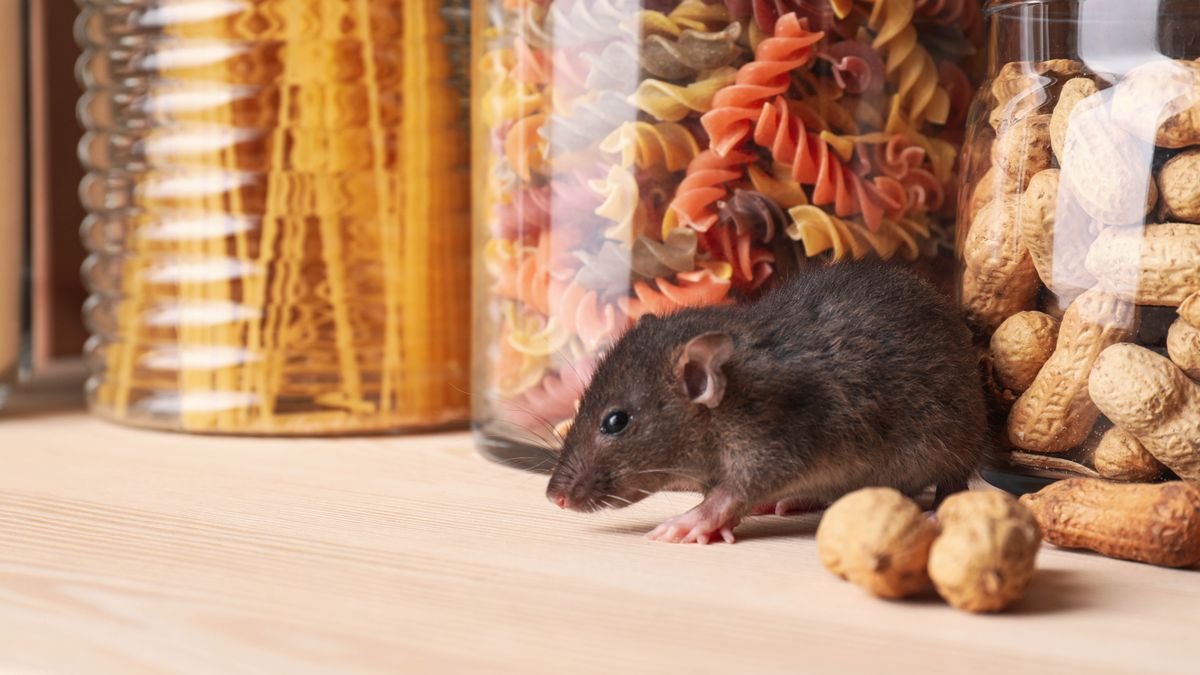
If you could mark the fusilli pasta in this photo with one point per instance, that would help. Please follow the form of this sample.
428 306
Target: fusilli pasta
672 102
735 107
645 145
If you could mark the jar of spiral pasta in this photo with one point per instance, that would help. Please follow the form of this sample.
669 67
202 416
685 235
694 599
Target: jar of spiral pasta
634 158
278 238
1079 242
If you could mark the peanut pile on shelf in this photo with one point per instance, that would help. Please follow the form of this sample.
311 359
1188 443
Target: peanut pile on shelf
1081 263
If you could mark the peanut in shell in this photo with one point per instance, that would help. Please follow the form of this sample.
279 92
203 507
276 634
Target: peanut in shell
1150 397
1056 413
1151 265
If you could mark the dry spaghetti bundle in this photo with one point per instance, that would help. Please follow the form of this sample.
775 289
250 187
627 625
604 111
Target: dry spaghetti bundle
294 249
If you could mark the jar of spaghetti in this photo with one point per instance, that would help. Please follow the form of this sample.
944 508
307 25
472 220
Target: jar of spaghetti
634 158
279 240
1079 242
12 189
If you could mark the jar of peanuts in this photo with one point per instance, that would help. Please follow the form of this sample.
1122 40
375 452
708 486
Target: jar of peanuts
1079 237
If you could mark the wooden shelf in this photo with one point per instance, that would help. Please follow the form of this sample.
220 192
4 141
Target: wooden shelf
128 551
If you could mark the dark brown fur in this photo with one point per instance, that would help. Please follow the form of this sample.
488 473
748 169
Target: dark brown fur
846 376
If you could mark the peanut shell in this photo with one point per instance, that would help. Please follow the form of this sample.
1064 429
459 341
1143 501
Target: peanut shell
1056 413
1189 309
1151 265
1020 347
1156 524
1159 102
1179 186
1183 345
879 540
1121 456
1074 91
1023 148
1151 398
1057 234
1106 169
1018 77
983 558
999 279
993 183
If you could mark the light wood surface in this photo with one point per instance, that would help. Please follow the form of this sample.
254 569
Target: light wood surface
128 552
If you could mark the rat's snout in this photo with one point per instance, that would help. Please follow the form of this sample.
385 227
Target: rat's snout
578 491
559 499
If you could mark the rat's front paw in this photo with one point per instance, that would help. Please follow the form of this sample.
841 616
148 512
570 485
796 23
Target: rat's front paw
698 526
688 528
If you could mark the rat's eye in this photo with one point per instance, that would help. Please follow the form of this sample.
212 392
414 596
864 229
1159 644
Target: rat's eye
614 422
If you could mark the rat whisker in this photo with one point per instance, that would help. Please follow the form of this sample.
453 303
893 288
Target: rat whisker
550 443
627 502
513 407
535 463
567 361
669 472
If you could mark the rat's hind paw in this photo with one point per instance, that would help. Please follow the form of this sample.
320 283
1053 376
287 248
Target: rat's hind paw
701 525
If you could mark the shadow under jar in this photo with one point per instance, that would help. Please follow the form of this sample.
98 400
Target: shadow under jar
633 158
1079 238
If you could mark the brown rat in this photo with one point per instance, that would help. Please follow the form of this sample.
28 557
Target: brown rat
846 376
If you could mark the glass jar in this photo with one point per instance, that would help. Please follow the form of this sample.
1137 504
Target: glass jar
637 157
1079 237
278 235
12 191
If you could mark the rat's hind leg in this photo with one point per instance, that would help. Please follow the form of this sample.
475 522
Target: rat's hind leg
717 515
789 506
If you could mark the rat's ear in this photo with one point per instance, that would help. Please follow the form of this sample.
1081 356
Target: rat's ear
699 374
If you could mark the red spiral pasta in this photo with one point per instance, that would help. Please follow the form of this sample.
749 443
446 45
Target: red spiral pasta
705 183
698 288
901 159
855 66
814 163
735 107
750 263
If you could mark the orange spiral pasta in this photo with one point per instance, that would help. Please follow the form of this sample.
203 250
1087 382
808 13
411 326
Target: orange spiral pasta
708 285
707 178
749 262
814 163
734 108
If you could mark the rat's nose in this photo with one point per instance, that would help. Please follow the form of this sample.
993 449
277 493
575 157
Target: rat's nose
560 499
